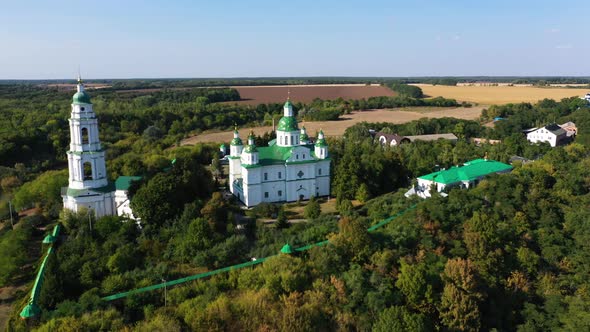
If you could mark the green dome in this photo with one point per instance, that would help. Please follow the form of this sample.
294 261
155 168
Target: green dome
236 141
321 142
286 249
30 310
251 148
288 123
49 239
81 98
303 137
288 103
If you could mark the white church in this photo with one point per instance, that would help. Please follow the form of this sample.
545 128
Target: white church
290 168
88 187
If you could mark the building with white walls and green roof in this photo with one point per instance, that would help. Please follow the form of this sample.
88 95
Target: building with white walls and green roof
465 176
288 169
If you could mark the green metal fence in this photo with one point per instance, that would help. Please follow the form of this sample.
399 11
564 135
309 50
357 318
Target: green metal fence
237 266
32 309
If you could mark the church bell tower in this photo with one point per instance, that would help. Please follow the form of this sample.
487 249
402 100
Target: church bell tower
88 185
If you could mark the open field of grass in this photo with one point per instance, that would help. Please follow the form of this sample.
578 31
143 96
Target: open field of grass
337 128
495 95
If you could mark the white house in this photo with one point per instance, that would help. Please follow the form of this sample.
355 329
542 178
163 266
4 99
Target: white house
552 134
288 169
465 176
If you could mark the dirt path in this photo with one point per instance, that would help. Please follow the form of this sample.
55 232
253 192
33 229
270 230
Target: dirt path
337 128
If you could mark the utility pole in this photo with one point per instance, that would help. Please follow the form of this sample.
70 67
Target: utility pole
10 211
89 221
165 295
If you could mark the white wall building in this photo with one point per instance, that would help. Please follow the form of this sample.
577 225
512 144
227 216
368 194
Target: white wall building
88 187
552 134
464 177
122 196
290 168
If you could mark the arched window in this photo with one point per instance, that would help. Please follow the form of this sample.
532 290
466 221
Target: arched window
84 136
87 171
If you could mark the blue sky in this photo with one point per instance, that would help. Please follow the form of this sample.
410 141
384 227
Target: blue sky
143 39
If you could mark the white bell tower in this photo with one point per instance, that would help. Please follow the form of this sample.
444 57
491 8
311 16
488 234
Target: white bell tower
88 184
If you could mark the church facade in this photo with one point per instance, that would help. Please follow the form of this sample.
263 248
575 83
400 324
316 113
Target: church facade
88 186
290 168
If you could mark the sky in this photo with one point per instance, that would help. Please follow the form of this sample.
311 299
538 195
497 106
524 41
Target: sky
251 38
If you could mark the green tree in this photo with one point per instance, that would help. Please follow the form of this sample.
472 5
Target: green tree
352 241
282 221
460 298
400 319
362 194
215 212
312 209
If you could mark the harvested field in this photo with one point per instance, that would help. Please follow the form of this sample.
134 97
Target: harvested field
72 86
254 95
337 128
499 94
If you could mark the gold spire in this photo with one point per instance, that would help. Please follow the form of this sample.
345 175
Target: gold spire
288 93
79 76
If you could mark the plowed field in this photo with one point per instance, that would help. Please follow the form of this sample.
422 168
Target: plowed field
254 95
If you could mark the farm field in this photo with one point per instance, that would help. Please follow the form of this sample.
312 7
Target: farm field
254 95
337 128
499 94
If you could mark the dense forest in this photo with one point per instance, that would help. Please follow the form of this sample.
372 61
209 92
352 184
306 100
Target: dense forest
129 84
510 254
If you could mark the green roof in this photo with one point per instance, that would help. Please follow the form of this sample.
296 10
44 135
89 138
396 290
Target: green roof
321 142
288 123
110 187
274 154
124 182
236 141
286 249
250 149
81 98
471 170
49 239
30 310
288 103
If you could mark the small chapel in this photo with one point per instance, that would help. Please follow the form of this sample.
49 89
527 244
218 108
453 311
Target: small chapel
292 167
88 186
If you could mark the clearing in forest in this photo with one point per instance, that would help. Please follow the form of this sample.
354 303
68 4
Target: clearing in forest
337 128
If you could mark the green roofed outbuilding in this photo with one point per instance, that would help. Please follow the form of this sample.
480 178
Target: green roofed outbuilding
465 176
